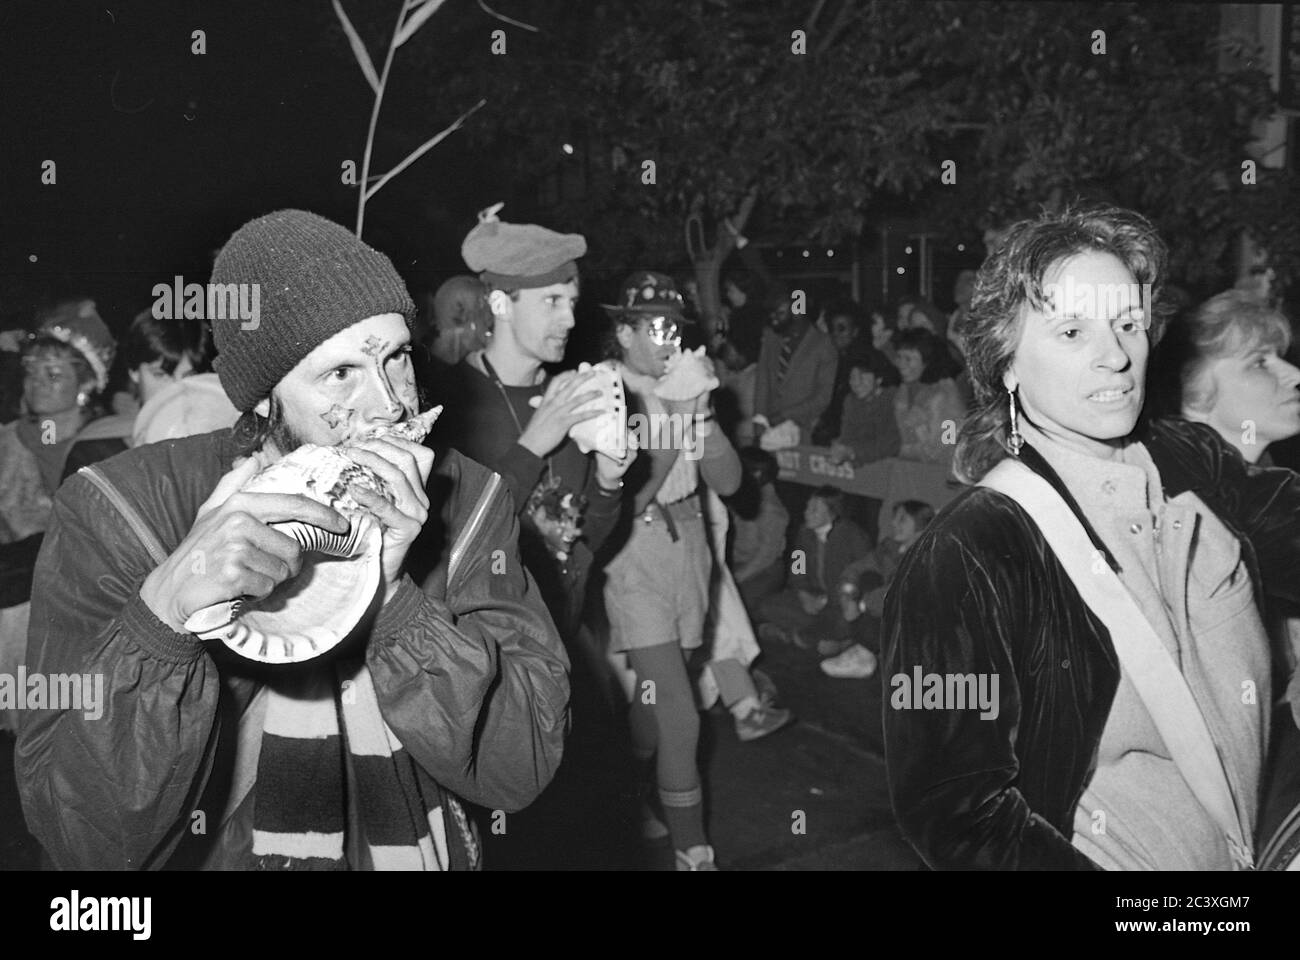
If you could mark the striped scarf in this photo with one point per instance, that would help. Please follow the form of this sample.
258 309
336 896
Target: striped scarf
340 796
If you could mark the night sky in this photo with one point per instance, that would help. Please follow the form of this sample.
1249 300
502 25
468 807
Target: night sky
161 153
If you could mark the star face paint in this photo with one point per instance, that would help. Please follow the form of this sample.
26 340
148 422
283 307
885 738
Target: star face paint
338 416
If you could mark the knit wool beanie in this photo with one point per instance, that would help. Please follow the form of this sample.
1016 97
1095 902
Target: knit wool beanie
313 278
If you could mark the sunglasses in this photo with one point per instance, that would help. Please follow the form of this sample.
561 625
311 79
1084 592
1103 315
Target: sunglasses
662 330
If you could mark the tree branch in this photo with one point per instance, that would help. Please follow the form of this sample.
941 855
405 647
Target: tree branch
842 19
424 148
504 19
362 193
812 17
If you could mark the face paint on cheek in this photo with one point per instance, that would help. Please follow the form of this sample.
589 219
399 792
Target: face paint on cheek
338 416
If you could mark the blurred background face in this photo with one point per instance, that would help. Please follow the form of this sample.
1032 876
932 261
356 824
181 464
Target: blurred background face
50 384
461 320
782 317
910 365
843 331
904 527
880 332
1259 388
732 358
816 513
919 320
1081 365
862 383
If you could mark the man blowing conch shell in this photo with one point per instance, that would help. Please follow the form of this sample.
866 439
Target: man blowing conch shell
454 686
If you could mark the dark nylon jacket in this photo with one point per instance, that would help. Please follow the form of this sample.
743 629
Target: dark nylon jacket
470 675
981 592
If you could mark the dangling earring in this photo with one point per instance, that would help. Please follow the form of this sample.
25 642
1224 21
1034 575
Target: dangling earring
1015 440
82 398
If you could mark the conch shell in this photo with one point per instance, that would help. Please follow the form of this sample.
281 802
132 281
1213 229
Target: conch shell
607 432
306 616
685 377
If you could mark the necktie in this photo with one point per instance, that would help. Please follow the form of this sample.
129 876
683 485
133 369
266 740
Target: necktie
783 361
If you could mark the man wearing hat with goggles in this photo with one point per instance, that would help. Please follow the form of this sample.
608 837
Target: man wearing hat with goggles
510 415
657 587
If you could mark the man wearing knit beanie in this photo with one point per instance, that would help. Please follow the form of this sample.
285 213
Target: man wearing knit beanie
461 663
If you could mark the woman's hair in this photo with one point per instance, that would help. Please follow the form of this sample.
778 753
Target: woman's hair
935 361
1230 324
252 430
171 341
1010 280
920 512
938 319
873 361
845 308
45 346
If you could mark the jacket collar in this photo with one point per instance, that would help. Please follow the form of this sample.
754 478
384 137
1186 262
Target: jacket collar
1037 463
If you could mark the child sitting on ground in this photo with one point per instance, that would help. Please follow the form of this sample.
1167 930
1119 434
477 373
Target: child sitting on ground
805 611
862 589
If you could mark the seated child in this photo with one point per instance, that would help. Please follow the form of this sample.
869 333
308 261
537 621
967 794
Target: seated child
862 589
826 544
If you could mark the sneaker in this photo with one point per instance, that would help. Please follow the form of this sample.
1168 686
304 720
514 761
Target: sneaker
762 721
696 858
832 648
856 662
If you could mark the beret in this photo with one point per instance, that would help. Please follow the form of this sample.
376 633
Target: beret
520 255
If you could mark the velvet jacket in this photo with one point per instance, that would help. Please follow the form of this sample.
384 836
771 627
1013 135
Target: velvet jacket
982 592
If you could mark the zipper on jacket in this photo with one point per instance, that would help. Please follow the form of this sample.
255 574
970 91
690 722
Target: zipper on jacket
472 527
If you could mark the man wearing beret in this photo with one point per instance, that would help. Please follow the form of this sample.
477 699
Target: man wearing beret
454 686
509 416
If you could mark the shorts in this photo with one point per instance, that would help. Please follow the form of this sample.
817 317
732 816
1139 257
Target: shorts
657 590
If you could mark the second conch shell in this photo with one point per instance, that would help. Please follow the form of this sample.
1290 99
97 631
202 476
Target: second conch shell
685 377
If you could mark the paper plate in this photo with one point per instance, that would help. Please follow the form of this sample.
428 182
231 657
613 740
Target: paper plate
311 614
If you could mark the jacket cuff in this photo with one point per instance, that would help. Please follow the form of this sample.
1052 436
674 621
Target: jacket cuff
160 641
399 611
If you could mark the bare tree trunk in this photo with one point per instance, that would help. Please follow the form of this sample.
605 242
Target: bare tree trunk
708 261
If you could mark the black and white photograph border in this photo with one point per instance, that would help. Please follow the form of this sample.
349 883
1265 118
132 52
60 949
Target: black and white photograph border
948 283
